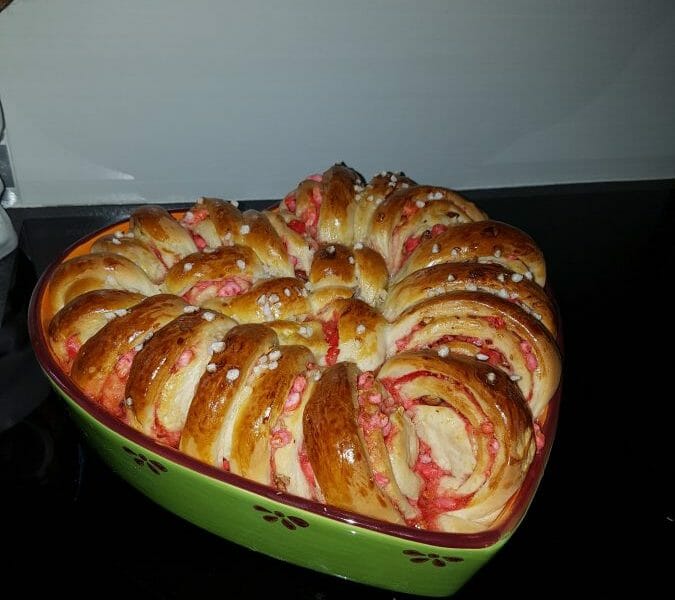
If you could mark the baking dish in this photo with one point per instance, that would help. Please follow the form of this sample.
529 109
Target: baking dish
283 526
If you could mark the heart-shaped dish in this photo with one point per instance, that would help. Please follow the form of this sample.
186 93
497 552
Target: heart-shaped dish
300 531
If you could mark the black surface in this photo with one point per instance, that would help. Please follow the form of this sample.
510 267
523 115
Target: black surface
609 254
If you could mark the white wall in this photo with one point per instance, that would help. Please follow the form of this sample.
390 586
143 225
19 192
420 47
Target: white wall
164 100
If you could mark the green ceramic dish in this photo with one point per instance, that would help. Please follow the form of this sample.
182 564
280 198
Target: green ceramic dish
286 527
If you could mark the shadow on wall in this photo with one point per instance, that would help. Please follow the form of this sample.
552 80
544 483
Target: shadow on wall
8 238
3 177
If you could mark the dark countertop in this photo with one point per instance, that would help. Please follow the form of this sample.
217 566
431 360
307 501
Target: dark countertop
608 251
6 272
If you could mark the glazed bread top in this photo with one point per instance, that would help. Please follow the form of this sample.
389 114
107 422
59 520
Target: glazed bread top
482 242
156 228
335 446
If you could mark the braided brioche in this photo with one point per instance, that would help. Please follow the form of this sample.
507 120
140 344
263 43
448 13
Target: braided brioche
381 347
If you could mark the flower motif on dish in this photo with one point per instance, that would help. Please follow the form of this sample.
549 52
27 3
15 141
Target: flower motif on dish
141 460
288 521
436 559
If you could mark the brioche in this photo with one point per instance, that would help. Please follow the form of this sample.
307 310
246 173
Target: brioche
381 347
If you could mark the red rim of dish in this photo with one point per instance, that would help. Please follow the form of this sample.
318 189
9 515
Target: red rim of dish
517 506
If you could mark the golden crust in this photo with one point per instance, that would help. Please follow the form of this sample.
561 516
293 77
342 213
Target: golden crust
336 217
489 242
136 251
239 264
361 332
165 373
156 228
219 390
380 187
90 272
82 317
362 270
320 298
215 221
267 300
414 212
321 207
263 239
255 422
300 249
335 447
102 365
302 203
454 277
331 267
375 424
308 333
486 328
372 276
494 420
